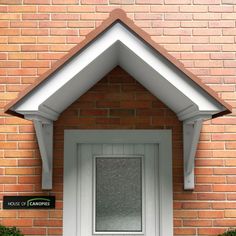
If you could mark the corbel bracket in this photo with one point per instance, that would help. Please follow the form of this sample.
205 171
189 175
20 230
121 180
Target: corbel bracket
191 133
44 133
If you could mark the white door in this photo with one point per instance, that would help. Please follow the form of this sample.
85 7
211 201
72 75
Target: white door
118 182
117 189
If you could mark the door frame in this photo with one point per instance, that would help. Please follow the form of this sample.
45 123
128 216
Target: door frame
163 138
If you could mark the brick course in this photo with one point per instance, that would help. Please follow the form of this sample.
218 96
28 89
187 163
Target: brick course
200 33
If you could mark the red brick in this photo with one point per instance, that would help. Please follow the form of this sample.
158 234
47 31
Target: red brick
210 231
96 2
198 223
207 2
23 24
4 32
33 213
55 231
8 145
224 188
23 137
193 8
12 2
35 64
10 16
35 16
230 214
22 9
194 24
49 56
231 196
186 214
63 32
54 223
7 180
228 16
18 188
63 16
37 2
106 104
144 16
3 56
80 9
17 222
210 180
34 32
196 205
22 40
7 214
33 231
207 32
93 112
34 48
172 31
149 2
18 153
179 16
25 71
228 2
29 163
230 162
229 63
230 145
224 171
29 180
185 231
211 214
51 9
178 2
231 179
121 2
230 31
223 205
226 222
19 171
223 136
80 24
211 196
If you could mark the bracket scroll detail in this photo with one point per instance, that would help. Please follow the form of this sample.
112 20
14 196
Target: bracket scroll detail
44 133
191 132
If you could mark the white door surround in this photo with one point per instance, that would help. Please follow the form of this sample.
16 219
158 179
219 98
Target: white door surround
75 138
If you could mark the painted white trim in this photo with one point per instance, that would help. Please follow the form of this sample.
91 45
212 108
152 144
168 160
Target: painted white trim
44 133
161 137
191 133
118 46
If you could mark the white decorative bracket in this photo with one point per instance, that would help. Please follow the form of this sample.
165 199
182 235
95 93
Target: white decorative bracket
44 133
191 132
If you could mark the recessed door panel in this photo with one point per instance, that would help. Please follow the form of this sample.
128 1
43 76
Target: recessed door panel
117 190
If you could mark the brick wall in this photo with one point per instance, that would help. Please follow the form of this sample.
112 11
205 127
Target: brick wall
201 33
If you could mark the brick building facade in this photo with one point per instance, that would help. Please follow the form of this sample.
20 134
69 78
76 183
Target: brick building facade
201 34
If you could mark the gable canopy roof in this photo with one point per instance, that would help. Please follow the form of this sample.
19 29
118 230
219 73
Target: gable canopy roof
117 41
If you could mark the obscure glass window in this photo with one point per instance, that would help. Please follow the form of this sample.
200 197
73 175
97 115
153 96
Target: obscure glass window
118 194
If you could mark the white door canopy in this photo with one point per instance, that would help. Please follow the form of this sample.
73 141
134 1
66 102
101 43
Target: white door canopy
118 41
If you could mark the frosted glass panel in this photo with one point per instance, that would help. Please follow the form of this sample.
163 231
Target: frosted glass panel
118 194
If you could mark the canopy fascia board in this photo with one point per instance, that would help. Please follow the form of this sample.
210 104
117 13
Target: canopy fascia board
118 41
